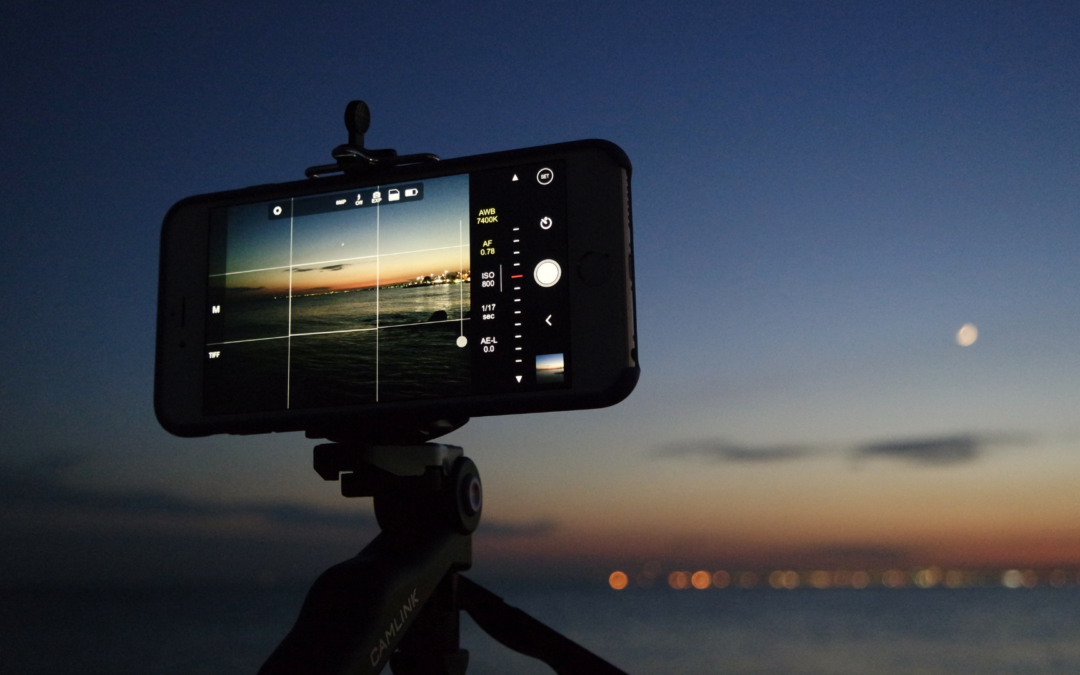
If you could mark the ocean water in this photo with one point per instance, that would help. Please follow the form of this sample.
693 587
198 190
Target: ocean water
396 306
802 632
335 356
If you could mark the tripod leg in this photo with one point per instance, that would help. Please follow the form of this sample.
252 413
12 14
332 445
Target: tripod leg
432 645
524 634
358 611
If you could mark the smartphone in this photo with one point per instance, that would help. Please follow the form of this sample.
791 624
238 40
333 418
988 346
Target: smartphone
486 285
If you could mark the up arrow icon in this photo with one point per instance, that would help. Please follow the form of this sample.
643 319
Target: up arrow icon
512 180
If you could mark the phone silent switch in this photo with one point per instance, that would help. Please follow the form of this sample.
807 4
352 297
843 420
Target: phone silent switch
594 268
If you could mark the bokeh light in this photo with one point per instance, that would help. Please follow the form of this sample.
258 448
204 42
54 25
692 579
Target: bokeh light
821 579
824 579
678 580
928 578
748 580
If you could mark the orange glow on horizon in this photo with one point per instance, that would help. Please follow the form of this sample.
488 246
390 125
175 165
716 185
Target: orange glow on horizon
586 546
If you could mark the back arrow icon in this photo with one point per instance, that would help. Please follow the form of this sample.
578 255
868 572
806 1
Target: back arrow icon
548 320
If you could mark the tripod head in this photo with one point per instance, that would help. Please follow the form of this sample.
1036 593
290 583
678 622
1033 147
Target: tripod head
417 488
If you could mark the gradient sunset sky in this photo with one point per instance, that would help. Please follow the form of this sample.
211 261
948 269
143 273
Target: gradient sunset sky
338 251
824 194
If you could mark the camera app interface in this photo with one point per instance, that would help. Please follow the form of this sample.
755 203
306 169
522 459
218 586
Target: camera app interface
437 288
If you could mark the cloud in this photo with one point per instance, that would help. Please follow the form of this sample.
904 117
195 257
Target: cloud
332 268
936 451
54 532
724 451
40 486
939 450
300 269
927 451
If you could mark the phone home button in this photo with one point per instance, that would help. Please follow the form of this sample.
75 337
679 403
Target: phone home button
595 268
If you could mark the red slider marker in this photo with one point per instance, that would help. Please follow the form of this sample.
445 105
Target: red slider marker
516 276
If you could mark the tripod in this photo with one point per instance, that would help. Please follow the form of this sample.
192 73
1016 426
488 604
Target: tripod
399 600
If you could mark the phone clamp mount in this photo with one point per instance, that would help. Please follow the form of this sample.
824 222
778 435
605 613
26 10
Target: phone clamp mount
353 158
398 602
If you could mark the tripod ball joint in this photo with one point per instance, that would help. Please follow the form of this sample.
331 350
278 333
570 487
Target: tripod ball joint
469 495
447 497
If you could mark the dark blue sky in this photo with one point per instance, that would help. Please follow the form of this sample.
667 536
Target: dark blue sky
823 194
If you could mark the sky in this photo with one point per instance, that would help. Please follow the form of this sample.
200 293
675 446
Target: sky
823 195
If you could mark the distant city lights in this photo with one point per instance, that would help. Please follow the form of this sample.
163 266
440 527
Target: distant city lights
618 580
701 580
929 577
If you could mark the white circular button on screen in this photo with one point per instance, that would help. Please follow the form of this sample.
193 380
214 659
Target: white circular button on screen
277 210
547 273
544 176
462 341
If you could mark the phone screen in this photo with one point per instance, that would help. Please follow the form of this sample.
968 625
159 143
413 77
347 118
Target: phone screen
434 288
